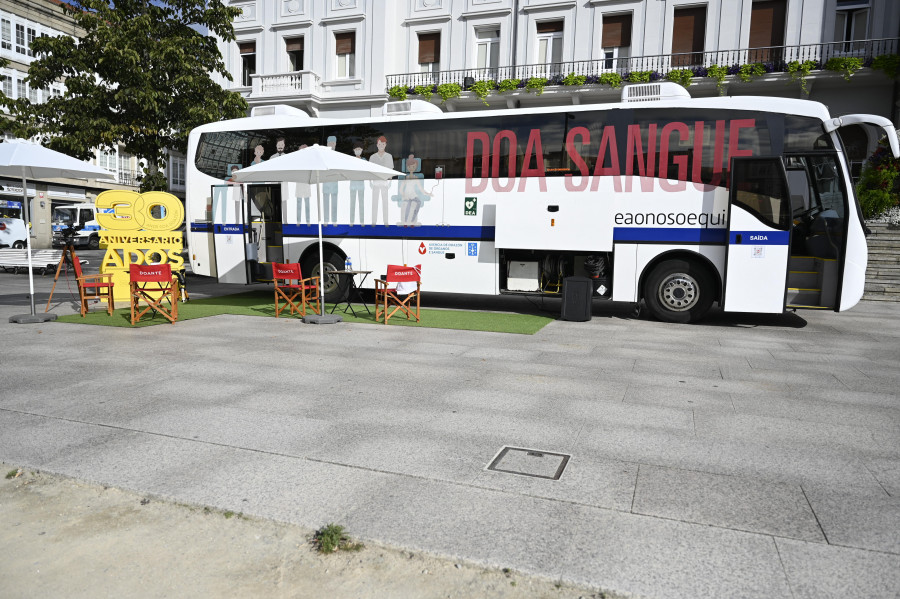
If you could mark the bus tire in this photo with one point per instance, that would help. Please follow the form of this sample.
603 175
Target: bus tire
18 245
94 242
679 291
334 289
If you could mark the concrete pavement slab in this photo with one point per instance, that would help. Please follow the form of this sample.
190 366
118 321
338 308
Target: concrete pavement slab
817 571
865 522
734 502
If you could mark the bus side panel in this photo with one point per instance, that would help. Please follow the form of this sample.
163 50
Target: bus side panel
455 266
625 273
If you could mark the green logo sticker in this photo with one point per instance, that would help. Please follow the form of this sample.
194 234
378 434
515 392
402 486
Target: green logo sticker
471 207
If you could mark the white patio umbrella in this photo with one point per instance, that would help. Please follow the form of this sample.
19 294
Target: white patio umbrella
26 160
315 165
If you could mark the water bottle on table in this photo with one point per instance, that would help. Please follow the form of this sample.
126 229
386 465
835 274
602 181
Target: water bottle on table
348 265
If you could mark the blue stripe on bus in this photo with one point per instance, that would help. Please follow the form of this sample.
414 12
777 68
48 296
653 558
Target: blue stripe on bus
760 237
669 235
201 227
469 233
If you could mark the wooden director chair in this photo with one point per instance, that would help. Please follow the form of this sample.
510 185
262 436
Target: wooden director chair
91 287
153 284
290 286
400 281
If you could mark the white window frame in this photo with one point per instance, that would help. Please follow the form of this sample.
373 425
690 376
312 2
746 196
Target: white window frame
6 34
487 49
344 64
21 46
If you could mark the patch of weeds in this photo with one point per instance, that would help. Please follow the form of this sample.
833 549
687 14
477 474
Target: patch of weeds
228 514
14 473
333 537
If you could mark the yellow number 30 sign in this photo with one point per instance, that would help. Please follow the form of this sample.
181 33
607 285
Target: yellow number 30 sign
132 211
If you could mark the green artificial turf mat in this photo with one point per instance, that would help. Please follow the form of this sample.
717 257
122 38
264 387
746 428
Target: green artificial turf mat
260 303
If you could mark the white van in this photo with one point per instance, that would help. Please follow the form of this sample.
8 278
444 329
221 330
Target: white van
82 218
12 226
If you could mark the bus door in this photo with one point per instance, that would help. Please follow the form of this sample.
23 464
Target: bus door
229 234
759 236
266 235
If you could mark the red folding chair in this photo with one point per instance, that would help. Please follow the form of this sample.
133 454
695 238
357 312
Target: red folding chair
400 281
153 284
290 286
93 287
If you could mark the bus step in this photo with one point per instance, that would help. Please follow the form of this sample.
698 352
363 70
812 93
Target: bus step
799 306
803 297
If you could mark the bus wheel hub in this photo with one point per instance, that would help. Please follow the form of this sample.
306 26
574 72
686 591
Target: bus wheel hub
679 292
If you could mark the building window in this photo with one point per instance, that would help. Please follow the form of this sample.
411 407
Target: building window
616 41
7 86
851 22
20 39
345 51
6 34
107 160
29 41
767 31
688 35
487 51
294 48
549 43
429 52
248 62
176 174
21 92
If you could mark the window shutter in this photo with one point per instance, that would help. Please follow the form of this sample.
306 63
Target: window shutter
767 24
549 26
429 48
247 48
345 43
293 44
616 31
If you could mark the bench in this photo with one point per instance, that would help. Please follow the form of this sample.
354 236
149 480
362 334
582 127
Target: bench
43 260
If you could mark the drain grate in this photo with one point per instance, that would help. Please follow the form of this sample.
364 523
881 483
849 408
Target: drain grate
530 462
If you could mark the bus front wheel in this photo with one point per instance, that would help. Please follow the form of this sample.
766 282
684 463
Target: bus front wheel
678 291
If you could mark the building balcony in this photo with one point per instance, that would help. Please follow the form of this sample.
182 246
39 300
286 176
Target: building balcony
775 60
291 84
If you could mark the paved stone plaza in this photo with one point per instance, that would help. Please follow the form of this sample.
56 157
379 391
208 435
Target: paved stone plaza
747 456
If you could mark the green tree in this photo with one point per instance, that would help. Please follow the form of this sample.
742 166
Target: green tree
140 76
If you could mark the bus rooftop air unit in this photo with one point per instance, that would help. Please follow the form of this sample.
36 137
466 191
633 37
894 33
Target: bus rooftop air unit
277 109
409 107
649 92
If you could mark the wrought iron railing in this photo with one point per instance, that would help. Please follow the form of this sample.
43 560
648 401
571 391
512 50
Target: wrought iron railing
774 59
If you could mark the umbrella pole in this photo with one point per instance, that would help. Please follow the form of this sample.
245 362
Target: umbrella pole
321 251
28 240
29 318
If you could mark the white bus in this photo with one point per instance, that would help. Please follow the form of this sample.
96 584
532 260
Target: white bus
742 201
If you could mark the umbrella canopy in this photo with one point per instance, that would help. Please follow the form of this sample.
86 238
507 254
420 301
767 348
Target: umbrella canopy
27 160
31 161
315 164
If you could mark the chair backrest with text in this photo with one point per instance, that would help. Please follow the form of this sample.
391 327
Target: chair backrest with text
290 286
153 284
405 281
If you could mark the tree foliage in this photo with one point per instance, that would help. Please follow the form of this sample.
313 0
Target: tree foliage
140 76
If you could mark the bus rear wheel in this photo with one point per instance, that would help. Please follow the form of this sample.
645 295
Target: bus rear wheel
334 288
18 245
679 291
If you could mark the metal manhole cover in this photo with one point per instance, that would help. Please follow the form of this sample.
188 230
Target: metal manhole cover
530 462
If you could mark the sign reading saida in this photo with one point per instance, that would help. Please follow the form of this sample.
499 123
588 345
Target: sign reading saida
138 229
